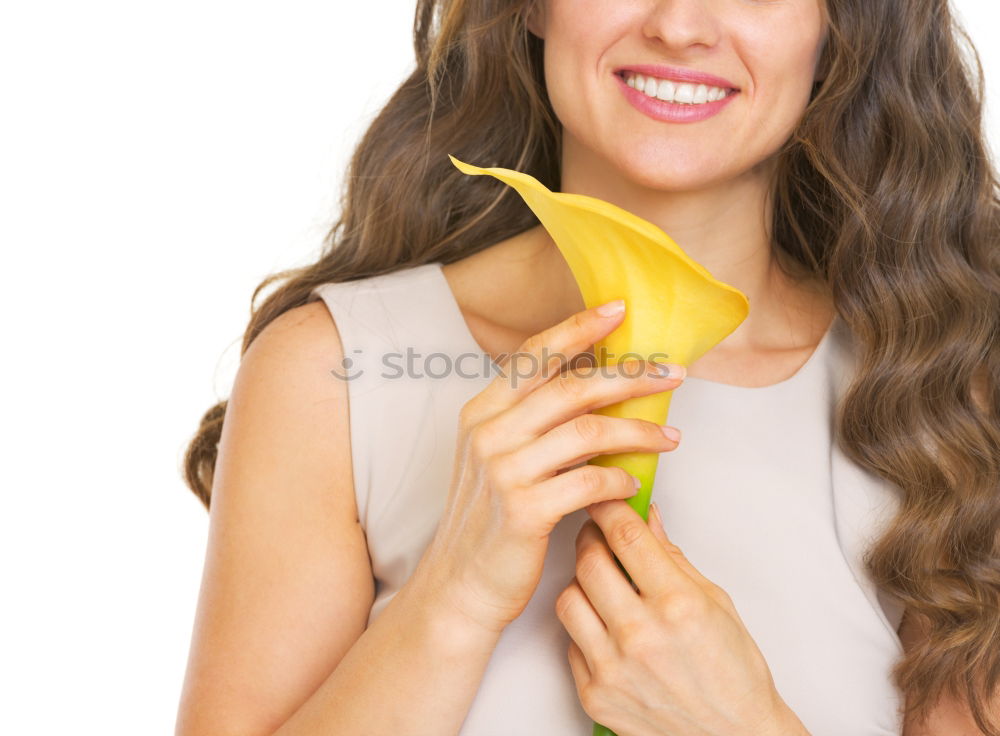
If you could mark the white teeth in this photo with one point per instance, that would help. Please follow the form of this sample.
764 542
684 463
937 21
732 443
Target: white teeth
679 92
685 93
665 90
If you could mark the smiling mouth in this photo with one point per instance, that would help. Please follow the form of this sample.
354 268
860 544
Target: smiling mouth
673 90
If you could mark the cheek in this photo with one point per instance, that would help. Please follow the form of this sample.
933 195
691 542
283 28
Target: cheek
781 54
575 46
781 61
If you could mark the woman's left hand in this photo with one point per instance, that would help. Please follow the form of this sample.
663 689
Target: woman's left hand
672 657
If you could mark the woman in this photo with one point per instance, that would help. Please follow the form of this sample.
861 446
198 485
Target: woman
841 181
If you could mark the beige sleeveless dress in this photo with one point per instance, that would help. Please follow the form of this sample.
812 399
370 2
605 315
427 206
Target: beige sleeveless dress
758 497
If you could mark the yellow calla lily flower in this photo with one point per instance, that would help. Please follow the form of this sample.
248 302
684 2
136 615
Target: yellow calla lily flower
675 309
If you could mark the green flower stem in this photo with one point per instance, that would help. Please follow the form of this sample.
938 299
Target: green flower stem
643 467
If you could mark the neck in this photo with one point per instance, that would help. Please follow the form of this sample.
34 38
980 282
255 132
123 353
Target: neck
724 226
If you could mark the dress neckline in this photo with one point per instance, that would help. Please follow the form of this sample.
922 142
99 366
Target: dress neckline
808 366
818 355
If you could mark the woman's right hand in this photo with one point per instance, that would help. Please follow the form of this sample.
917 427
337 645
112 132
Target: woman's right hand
515 438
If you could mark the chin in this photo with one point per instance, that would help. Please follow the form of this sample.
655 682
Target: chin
668 175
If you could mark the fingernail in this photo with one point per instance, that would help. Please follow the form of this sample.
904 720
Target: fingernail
638 483
672 433
612 309
654 511
671 370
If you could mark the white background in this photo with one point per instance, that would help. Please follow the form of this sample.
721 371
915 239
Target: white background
157 161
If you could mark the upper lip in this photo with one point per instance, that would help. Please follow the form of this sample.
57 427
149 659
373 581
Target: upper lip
677 73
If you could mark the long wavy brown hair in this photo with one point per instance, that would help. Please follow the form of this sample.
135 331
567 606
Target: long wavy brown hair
885 192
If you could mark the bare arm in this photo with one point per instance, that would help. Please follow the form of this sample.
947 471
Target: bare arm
415 671
279 643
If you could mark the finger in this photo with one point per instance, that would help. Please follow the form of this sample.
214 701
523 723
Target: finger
578 391
610 593
582 623
584 437
542 357
579 667
570 491
652 568
656 525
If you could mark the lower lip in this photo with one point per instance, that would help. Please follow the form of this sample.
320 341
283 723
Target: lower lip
671 112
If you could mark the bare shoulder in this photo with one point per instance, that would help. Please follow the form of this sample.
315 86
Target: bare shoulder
285 393
286 567
306 337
